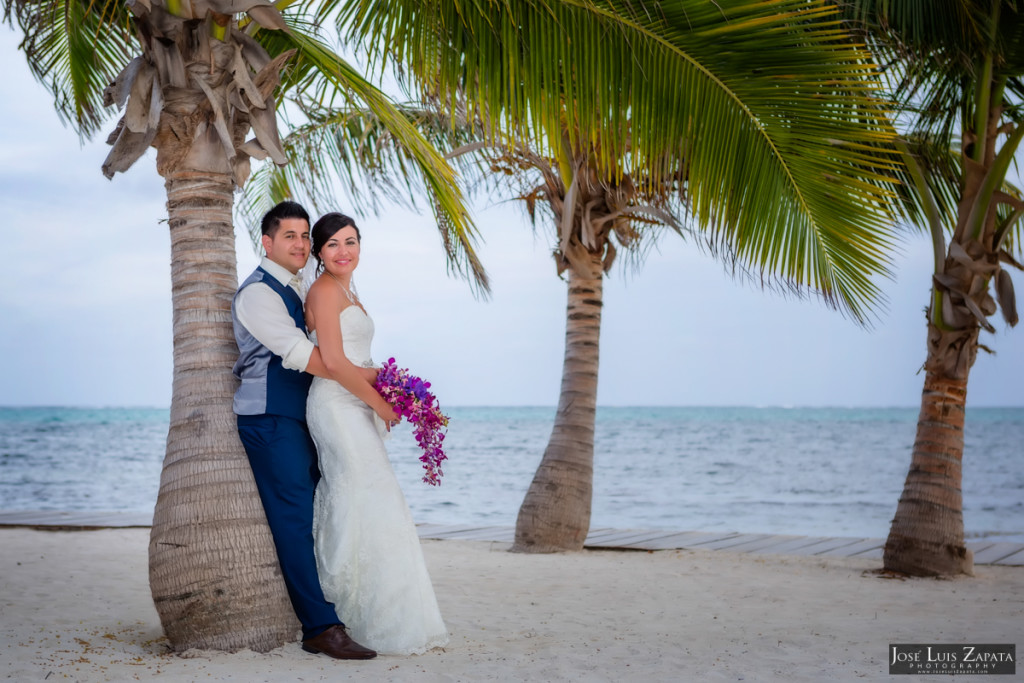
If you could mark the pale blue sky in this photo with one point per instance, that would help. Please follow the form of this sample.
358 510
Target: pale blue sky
85 302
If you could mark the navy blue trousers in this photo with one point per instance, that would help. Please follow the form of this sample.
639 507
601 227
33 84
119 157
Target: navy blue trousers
284 464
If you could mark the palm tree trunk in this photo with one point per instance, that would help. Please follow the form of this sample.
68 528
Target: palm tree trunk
555 514
213 570
927 533
926 537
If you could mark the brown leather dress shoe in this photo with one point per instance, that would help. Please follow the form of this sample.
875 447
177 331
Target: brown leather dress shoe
335 642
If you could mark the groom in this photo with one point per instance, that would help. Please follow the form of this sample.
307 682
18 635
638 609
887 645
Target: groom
274 359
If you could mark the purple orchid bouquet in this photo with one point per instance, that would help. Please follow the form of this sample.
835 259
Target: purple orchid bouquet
408 395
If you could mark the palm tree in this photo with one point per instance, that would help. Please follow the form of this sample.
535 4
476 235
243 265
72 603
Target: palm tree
588 219
192 80
956 71
754 123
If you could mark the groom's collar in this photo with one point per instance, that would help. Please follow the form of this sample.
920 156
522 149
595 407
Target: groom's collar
278 272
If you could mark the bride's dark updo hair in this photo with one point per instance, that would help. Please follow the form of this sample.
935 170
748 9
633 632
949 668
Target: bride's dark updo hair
325 228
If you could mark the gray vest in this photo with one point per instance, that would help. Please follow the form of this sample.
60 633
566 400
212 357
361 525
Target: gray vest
268 388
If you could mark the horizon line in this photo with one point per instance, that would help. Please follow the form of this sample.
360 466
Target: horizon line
54 406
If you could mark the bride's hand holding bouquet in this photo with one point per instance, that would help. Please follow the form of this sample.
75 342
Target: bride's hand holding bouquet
410 398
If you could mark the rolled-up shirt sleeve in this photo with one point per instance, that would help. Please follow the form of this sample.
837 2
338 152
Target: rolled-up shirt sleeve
263 313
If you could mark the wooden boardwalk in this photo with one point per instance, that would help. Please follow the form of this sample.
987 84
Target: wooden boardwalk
985 552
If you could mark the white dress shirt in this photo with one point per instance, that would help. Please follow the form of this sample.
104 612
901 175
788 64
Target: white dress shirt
262 311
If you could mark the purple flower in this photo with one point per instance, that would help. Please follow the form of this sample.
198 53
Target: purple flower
409 397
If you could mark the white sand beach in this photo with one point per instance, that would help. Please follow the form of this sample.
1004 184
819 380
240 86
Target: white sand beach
75 605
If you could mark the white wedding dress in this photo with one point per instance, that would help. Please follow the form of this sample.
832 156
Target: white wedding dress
367 549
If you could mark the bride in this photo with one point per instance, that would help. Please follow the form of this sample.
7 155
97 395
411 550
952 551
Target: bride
368 553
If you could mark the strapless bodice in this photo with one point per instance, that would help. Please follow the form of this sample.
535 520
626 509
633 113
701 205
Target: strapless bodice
356 335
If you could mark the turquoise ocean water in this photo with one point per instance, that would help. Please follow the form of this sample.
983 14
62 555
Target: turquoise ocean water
808 471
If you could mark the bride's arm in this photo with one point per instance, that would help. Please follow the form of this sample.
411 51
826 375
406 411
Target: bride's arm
323 305
316 366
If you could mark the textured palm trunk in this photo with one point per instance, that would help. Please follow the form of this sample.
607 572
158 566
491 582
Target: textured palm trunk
555 514
927 533
926 537
213 570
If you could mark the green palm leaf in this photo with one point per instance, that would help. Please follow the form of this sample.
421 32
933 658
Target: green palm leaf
764 111
78 47
75 48
319 79
353 148
937 50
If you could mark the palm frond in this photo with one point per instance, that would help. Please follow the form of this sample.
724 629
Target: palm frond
940 52
320 81
923 27
942 167
74 48
354 150
937 50
764 111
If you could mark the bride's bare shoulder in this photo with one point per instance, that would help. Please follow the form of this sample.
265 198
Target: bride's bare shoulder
321 292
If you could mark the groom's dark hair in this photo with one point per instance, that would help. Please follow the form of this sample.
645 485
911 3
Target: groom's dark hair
286 209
